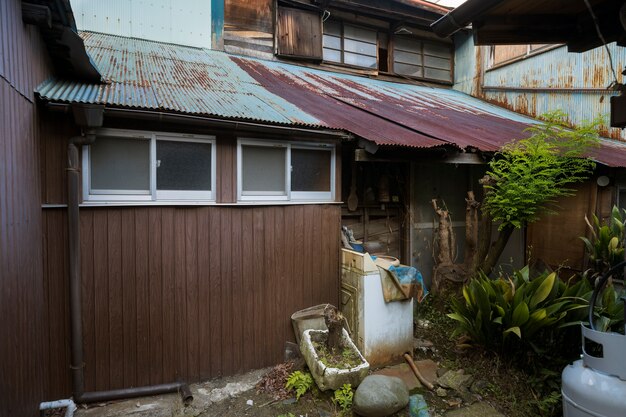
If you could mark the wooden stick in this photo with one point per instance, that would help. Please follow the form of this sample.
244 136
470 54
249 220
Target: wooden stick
417 373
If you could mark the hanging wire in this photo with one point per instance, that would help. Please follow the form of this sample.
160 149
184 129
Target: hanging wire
325 15
615 83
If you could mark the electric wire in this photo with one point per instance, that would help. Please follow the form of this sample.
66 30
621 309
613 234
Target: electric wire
608 51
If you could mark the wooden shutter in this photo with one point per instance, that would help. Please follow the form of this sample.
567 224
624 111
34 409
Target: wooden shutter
299 33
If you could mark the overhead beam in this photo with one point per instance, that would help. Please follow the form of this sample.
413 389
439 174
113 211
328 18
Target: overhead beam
36 14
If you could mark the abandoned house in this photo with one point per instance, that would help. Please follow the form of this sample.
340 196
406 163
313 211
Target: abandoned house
174 177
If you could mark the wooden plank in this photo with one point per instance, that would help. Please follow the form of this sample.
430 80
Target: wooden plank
155 297
248 287
191 290
229 311
299 33
170 354
101 305
129 297
215 316
260 280
116 316
238 290
227 167
180 297
88 294
142 290
204 291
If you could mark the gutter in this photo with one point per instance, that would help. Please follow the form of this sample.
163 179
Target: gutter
175 118
462 16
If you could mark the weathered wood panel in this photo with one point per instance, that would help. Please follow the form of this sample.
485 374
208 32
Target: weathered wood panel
555 239
299 33
188 293
254 15
23 334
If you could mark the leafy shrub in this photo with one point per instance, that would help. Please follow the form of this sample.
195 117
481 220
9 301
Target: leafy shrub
606 247
343 397
495 311
300 382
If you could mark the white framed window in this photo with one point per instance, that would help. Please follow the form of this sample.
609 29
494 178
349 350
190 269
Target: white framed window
285 171
136 166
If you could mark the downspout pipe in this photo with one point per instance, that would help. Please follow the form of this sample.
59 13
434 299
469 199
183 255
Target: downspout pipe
90 122
462 16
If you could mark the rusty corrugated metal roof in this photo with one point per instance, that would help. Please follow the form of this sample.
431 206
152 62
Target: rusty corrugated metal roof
152 75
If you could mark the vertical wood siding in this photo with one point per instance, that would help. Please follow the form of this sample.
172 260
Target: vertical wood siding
22 359
188 293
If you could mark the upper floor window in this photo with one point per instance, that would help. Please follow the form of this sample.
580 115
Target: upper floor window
148 166
422 59
285 171
350 45
504 54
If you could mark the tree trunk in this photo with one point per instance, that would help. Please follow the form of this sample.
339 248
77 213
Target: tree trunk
334 321
471 230
496 249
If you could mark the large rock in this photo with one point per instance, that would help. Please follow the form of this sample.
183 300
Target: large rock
380 396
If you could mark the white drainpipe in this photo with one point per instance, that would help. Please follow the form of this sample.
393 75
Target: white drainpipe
69 406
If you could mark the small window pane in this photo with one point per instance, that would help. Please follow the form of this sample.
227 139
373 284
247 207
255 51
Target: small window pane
359 60
263 169
440 63
120 164
440 50
333 42
407 58
310 170
361 34
332 27
410 70
436 74
360 47
332 55
407 44
183 165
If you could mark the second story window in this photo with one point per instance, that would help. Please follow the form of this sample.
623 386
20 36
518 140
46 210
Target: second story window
422 59
350 45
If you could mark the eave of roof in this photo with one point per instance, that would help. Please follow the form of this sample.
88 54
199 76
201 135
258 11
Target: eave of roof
163 77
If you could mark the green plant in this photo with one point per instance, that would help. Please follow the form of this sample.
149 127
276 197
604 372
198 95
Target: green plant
494 311
606 247
300 382
526 177
343 397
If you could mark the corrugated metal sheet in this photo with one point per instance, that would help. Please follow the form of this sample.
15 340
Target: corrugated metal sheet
184 22
152 75
390 113
575 83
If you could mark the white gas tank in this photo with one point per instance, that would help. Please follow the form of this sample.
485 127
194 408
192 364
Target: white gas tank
596 385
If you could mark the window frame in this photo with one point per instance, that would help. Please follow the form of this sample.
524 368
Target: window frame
289 196
153 194
423 56
342 51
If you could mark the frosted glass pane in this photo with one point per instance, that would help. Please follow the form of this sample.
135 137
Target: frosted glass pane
360 47
263 169
359 60
440 50
333 42
437 74
361 34
407 44
405 69
310 170
433 62
183 165
332 55
407 58
120 164
332 27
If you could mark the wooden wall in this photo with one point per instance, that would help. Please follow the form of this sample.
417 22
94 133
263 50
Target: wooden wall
23 65
187 293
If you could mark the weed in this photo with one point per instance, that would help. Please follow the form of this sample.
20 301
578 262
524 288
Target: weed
343 397
300 382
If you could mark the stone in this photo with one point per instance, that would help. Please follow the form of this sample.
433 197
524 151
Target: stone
441 392
292 352
380 396
481 409
479 386
402 371
456 380
428 369
441 372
